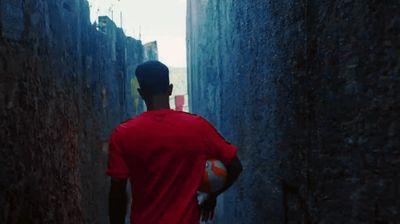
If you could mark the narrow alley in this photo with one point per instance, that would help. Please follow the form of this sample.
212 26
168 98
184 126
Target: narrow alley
308 91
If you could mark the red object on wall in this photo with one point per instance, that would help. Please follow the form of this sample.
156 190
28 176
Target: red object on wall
179 102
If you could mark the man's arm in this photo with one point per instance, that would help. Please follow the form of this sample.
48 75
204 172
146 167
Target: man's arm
233 171
220 149
117 201
208 206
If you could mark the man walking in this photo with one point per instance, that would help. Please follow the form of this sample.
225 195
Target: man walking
163 154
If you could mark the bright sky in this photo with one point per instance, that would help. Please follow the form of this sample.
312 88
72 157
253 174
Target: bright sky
160 20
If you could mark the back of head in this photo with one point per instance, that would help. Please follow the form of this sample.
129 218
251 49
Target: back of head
153 77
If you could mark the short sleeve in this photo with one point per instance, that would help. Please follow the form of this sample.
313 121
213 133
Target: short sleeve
217 147
116 164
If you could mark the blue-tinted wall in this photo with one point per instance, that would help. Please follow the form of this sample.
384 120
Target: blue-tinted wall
309 92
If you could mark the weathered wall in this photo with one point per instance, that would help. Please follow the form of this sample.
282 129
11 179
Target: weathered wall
64 86
309 92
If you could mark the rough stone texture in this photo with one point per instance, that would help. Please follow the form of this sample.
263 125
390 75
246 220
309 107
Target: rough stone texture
309 92
64 86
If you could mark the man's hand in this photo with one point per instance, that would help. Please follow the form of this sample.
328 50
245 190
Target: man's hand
207 208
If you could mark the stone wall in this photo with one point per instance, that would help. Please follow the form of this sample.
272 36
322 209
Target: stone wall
64 86
309 92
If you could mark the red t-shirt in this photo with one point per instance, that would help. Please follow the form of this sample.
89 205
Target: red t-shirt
163 153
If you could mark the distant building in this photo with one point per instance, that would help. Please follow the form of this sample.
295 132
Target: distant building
179 98
179 102
151 51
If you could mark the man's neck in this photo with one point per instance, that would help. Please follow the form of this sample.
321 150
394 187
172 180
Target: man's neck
158 107
158 103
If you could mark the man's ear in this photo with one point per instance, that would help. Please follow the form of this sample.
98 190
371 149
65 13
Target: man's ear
170 88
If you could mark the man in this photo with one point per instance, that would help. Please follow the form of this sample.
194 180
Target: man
163 153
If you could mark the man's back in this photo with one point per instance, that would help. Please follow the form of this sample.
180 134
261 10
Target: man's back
163 153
